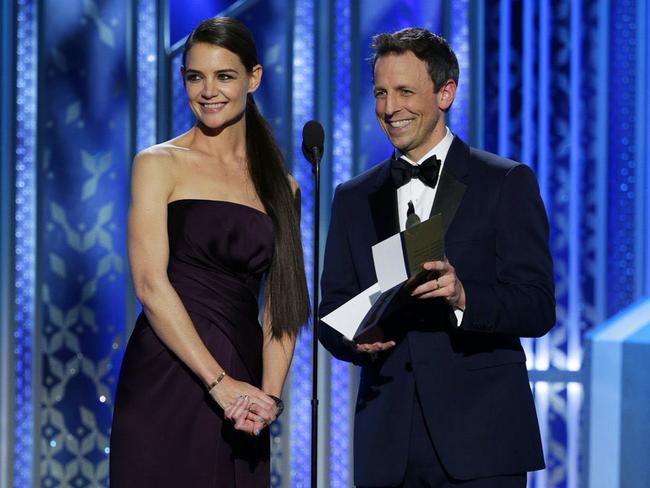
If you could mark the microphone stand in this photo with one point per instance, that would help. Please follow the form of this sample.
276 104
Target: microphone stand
315 291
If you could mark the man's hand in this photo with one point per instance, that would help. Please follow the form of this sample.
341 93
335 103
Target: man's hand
372 348
445 285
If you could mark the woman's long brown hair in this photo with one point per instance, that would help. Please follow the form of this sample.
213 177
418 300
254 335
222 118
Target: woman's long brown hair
285 288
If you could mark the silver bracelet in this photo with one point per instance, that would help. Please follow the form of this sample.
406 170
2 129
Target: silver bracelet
279 405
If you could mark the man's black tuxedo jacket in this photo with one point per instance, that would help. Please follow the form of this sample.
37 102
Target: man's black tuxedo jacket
471 380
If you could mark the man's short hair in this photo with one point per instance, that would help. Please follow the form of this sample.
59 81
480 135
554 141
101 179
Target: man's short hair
431 48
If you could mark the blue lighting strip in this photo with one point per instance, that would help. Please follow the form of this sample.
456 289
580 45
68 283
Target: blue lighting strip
342 133
602 161
460 43
575 398
504 78
182 118
527 117
477 57
7 106
543 111
542 350
25 230
303 110
623 182
340 396
527 121
539 479
641 221
646 158
146 75
574 339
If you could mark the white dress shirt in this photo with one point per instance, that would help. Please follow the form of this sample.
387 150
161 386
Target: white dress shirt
420 194
415 190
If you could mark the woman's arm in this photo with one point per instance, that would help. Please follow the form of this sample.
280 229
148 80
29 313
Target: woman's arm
277 354
152 184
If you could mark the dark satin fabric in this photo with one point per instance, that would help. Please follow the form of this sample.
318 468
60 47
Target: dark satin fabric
167 432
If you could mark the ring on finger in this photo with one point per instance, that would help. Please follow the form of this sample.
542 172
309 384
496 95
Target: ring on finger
437 284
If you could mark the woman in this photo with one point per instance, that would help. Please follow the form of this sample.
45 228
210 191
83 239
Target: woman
212 211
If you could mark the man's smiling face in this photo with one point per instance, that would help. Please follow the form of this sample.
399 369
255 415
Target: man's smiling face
407 108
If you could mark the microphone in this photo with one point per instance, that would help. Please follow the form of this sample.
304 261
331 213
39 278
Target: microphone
313 139
411 217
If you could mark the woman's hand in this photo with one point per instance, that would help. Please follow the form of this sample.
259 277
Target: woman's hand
244 419
247 406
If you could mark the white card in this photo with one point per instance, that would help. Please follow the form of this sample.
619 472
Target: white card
347 318
390 266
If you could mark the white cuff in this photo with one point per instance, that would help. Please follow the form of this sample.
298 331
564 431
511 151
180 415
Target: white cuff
459 317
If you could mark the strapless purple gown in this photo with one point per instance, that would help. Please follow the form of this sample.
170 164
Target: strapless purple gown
167 432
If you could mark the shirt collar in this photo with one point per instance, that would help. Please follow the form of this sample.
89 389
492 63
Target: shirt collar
440 150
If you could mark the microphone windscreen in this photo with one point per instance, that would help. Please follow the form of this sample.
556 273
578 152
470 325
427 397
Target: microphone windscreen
313 136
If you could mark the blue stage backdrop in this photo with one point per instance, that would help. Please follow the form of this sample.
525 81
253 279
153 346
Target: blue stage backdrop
557 84
84 153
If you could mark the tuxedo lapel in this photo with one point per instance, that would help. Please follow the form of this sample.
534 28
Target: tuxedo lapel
451 186
383 204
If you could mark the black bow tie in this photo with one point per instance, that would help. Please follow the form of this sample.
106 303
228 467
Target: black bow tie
402 171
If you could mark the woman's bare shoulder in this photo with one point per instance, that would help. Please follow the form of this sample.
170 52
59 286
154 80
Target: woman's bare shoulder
156 168
163 153
161 158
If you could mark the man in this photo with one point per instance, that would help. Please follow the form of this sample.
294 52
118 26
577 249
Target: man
444 399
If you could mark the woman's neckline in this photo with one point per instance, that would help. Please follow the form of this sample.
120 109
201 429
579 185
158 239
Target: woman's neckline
229 202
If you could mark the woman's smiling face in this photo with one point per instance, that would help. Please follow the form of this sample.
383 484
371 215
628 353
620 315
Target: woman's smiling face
217 85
